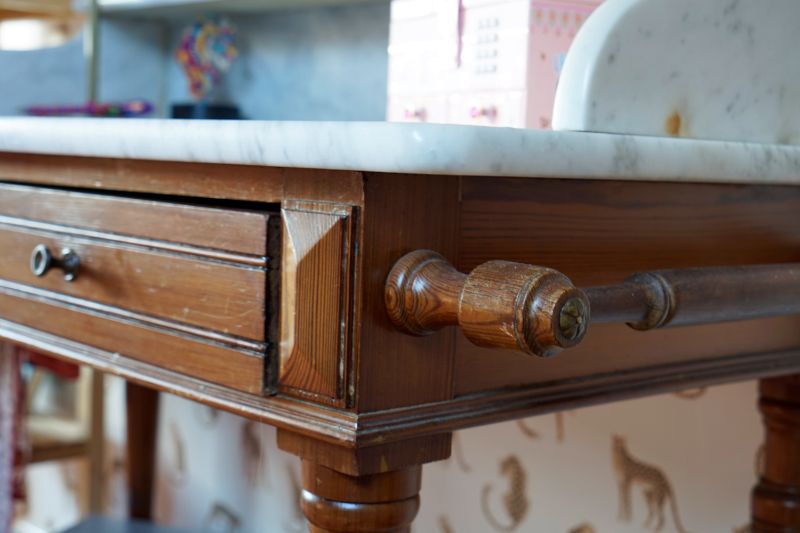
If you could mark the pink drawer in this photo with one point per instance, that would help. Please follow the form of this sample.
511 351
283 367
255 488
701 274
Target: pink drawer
553 28
417 109
494 46
488 108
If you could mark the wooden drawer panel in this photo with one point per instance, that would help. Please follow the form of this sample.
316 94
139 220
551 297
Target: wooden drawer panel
196 266
214 295
239 231
181 287
166 349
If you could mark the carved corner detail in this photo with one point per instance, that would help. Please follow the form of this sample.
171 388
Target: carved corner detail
316 300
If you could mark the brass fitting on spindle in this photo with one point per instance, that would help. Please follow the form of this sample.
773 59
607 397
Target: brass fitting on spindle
499 304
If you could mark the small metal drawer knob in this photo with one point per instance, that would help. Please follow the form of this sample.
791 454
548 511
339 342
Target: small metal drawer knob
42 261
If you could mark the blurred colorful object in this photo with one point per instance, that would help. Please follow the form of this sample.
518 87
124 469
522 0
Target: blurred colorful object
206 52
132 108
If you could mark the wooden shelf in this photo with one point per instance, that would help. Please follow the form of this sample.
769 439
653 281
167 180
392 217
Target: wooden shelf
160 8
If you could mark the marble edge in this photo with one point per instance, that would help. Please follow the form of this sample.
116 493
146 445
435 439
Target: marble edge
408 148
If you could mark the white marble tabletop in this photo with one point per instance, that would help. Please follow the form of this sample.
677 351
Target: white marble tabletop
408 148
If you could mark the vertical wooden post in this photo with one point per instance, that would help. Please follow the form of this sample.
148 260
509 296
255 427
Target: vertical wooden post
97 444
142 406
337 503
776 497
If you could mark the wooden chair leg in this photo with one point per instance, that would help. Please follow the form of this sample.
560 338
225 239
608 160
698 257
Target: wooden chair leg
97 444
142 407
776 497
337 503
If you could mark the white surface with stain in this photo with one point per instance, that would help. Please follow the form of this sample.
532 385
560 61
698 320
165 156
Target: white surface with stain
711 69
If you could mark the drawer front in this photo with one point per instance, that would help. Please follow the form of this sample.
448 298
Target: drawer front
182 287
489 108
431 109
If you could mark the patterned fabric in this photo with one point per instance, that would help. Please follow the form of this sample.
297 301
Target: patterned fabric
10 418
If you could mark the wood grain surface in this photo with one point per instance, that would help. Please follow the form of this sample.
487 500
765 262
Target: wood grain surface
402 214
315 308
776 496
600 232
199 180
180 353
220 296
234 230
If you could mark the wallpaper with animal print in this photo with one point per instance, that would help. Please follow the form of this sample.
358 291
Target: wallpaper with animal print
674 463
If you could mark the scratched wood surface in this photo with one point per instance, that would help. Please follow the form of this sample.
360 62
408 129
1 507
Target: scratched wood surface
601 232
233 230
316 306
180 353
224 297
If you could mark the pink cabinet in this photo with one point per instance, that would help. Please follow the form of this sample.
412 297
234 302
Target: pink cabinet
490 62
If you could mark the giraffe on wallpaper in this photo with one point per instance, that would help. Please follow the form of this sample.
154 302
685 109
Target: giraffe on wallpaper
655 485
515 500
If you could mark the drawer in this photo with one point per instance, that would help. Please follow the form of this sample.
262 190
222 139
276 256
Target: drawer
488 108
495 47
431 109
191 278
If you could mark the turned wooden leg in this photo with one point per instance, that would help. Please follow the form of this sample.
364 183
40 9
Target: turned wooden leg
338 503
776 497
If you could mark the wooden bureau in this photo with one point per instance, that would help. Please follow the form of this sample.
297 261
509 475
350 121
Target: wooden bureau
261 290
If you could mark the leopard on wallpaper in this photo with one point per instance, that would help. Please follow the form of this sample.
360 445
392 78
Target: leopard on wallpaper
691 394
528 431
444 524
653 482
221 519
297 524
178 471
458 454
514 499
253 457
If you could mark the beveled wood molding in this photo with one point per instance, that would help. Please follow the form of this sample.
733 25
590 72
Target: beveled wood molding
538 311
317 267
324 424
511 403
344 429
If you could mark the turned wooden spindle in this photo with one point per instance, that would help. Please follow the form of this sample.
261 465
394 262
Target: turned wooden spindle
337 503
500 304
776 497
537 310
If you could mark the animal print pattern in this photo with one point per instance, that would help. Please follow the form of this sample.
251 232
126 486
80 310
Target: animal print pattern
515 502
500 478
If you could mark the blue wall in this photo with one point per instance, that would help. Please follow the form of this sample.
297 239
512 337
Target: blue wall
132 65
311 64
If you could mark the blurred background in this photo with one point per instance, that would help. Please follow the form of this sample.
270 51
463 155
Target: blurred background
482 62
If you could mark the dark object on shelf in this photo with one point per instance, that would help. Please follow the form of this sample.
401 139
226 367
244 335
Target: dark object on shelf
206 111
99 524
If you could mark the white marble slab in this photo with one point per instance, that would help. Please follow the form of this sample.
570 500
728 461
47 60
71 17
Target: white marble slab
407 148
704 69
